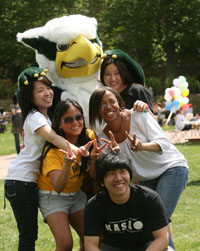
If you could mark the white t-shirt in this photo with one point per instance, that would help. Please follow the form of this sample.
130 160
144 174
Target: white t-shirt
25 167
148 165
180 118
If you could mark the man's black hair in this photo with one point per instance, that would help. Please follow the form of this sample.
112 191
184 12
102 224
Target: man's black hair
111 161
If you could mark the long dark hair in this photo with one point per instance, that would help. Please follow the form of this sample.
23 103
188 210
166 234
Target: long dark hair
26 96
95 102
123 71
60 109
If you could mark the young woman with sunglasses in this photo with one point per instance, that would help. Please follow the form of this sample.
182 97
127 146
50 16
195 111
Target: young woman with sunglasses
35 97
61 199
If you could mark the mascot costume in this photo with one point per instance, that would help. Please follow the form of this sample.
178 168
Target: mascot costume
70 49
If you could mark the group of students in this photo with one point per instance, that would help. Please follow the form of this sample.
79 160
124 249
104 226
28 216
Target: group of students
57 156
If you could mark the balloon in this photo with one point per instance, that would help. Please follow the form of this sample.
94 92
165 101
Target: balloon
171 93
168 97
168 105
177 91
176 96
185 92
185 100
184 85
167 90
176 103
176 82
175 109
182 79
185 107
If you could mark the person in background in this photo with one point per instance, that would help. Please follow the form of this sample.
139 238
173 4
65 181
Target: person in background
125 216
16 128
120 72
61 199
179 121
156 163
35 96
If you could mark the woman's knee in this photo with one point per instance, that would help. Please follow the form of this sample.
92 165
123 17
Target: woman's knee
64 244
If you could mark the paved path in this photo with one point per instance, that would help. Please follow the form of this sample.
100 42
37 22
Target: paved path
4 162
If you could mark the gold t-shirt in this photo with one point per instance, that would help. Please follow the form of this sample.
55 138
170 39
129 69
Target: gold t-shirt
54 161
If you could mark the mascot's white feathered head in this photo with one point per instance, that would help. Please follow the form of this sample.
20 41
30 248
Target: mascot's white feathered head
68 46
70 49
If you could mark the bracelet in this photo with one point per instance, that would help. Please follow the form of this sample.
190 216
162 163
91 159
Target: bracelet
142 148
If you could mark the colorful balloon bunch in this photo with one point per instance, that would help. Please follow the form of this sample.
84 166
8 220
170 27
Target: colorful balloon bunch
176 96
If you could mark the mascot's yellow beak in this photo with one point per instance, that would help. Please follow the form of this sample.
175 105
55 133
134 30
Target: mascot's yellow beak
81 58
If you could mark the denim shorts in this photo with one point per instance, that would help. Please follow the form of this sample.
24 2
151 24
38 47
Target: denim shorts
50 204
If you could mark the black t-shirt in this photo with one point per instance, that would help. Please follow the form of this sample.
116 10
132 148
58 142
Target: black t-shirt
128 225
136 92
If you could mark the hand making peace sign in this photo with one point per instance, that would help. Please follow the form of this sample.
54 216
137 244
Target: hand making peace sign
136 144
69 156
96 151
84 150
112 144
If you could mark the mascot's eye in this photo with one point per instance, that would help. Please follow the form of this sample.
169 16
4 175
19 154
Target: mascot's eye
93 41
62 47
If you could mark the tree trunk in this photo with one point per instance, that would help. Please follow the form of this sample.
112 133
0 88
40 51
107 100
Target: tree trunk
171 59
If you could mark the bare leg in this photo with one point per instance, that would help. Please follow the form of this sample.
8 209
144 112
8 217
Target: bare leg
76 221
59 225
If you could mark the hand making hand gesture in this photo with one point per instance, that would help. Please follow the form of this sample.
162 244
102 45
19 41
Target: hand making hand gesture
136 144
69 156
111 144
84 150
96 151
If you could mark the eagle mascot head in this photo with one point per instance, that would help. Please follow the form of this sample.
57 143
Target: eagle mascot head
70 49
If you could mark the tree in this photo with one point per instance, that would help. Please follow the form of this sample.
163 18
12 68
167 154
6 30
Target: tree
160 33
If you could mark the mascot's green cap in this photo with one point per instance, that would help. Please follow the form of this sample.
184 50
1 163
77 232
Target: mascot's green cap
133 67
28 75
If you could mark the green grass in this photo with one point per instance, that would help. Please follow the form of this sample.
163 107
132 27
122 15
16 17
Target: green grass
185 219
168 127
7 142
9 232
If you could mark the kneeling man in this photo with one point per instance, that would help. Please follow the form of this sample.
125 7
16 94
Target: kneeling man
126 216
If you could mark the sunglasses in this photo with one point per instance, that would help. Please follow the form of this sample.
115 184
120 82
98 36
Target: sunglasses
70 120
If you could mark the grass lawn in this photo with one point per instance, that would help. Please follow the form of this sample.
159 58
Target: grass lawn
7 142
185 220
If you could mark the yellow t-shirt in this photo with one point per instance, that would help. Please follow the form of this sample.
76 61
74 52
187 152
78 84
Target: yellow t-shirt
54 161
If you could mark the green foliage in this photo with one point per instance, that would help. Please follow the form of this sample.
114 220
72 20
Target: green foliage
7 88
194 99
169 82
162 35
154 32
193 84
156 85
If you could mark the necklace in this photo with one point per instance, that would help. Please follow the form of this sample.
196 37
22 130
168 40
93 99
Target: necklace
120 126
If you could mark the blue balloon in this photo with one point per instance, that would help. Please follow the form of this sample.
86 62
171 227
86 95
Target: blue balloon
176 103
168 105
